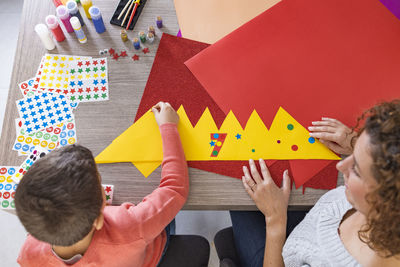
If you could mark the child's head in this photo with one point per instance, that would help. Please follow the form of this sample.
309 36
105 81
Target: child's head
60 197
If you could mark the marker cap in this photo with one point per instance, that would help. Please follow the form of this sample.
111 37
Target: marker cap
62 12
51 21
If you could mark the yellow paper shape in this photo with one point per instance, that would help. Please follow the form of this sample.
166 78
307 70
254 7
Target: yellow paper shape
286 139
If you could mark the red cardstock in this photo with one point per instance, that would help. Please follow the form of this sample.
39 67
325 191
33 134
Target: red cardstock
332 58
171 81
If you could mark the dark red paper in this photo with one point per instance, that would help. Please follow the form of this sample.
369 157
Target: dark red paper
171 81
314 58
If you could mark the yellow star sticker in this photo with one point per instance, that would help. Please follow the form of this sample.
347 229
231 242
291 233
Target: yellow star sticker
63 58
47 64
53 71
66 79
54 64
45 70
58 85
103 75
59 78
48 57
51 78
65 86
62 65
70 58
42 84
44 77
95 75
72 77
55 57
80 77
87 76
50 84
60 72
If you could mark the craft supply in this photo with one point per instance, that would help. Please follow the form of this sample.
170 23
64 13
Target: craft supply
95 13
55 28
159 22
123 10
146 50
101 52
64 2
152 30
109 192
80 34
127 13
135 57
63 15
105 51
35 155
123 54
68 133
124 35
86 4
137 3
74 11
136 43
142 37
57 3
150 37
8 187
45 36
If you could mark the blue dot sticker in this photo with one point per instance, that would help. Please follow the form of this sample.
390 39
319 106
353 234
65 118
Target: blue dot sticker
71 133
1 186
290 126
25 148
11 171
15 187
8 187
63 142
216 136
311 140
63 134
17 146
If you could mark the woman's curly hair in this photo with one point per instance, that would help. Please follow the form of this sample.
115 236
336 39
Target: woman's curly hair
382 231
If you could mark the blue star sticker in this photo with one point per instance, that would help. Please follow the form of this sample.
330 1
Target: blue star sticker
29 129
46 101
37 97
72 84
23 110
25 116
43 118
95 82
56 105
37 127
33 113
80 83
44 94
29 100
40 110
63 102
103 81
67 116
48 108
27 123
60 119
238 136
50 114
35 120
66 109
58 112
54 99
30 107
39 104
44 124
212 143
52 121
21 102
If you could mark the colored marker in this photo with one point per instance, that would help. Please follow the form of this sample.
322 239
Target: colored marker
124 35
86 4
136 43
159 22
74 11
55 28
78 30
150 37
142 37
95 13
63 15
45 36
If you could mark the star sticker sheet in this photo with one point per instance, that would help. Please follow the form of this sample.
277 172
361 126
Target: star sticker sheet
53 72
7 187
43 110
88 81
109 191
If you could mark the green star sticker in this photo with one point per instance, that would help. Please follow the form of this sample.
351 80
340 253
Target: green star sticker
95 69
103 68
108 197
87 70
80 97
104 95
72 71
73 98
96 96
88 97
80 70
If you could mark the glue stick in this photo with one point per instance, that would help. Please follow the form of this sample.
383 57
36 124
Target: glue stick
45 36
95 13
55 28
86 4
74 11
78 30
63 15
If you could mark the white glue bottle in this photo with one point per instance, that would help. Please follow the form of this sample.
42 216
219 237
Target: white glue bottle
44 34
78 30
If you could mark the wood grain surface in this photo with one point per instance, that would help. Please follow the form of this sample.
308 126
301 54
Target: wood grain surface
98 124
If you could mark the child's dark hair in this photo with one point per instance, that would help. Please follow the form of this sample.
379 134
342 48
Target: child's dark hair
60 196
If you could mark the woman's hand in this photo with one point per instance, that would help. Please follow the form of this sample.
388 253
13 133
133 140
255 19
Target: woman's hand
334 134
164 113
271 200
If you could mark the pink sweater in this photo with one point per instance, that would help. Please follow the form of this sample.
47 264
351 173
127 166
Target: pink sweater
131 235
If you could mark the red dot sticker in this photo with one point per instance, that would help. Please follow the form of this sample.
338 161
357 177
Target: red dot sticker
70 126
295 148
3 170
6 195
24 85
57 130
49 129
21 170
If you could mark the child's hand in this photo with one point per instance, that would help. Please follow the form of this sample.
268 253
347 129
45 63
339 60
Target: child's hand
334 134
164 113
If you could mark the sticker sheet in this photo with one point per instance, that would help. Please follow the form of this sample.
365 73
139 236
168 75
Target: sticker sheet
7 187
68 133
53 72
48 138
109 191
88 81
43 110
37 153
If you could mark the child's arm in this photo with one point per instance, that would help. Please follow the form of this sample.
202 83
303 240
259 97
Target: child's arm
334 134
159 208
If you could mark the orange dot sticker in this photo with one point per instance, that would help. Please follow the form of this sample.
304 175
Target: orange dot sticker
20 138
28 140
2 178
52 145
36 142
9 179
44 143
71 141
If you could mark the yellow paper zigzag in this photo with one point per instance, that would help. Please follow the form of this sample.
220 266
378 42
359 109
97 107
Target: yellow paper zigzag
286 139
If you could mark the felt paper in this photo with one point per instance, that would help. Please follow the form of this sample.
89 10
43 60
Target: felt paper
7 187
208 20
393 6
171 81
331 58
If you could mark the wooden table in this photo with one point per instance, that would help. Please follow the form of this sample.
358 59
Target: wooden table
100 123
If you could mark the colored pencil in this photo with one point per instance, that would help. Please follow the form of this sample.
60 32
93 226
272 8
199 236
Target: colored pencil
137 3
127 13
123 10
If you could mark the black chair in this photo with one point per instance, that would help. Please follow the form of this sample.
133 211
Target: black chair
185 251
226 249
